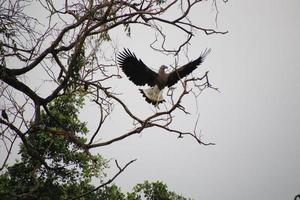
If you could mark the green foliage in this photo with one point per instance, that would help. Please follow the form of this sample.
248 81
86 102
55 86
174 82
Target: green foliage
105 36
127 30
112 192
73 168
143 191
59 151
76 63
159 2
65 110
153 191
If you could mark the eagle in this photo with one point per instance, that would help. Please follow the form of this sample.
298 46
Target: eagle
140 74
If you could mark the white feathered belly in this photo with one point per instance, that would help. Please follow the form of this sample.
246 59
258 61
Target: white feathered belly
153 95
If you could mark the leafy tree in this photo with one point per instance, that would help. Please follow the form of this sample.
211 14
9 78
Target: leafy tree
52 167
154 190
70 47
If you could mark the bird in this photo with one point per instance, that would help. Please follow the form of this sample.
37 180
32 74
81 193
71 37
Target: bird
4 115
140 74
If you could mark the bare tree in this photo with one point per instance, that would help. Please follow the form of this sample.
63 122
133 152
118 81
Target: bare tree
66 45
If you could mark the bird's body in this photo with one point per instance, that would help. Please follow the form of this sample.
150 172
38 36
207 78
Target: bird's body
162 78
141 75
4 115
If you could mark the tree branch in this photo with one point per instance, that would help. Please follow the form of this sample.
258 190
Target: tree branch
121 169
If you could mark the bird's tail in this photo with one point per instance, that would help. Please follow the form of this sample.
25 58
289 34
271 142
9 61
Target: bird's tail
153 95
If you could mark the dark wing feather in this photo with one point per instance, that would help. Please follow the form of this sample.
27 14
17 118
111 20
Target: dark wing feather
185 70
135 69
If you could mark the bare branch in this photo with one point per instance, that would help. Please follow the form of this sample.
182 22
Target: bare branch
121 169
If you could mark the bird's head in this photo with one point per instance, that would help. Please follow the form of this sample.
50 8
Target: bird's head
163 67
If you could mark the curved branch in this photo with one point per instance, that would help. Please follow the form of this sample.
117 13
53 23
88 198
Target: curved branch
121 169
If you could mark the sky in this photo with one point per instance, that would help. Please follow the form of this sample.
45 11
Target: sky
254 119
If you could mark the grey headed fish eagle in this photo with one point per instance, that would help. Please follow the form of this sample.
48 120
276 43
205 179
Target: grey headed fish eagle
141 75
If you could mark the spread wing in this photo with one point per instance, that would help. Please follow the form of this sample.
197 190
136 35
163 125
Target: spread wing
185 70
135 69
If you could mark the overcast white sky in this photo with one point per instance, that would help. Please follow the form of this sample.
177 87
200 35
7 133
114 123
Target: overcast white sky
254 121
